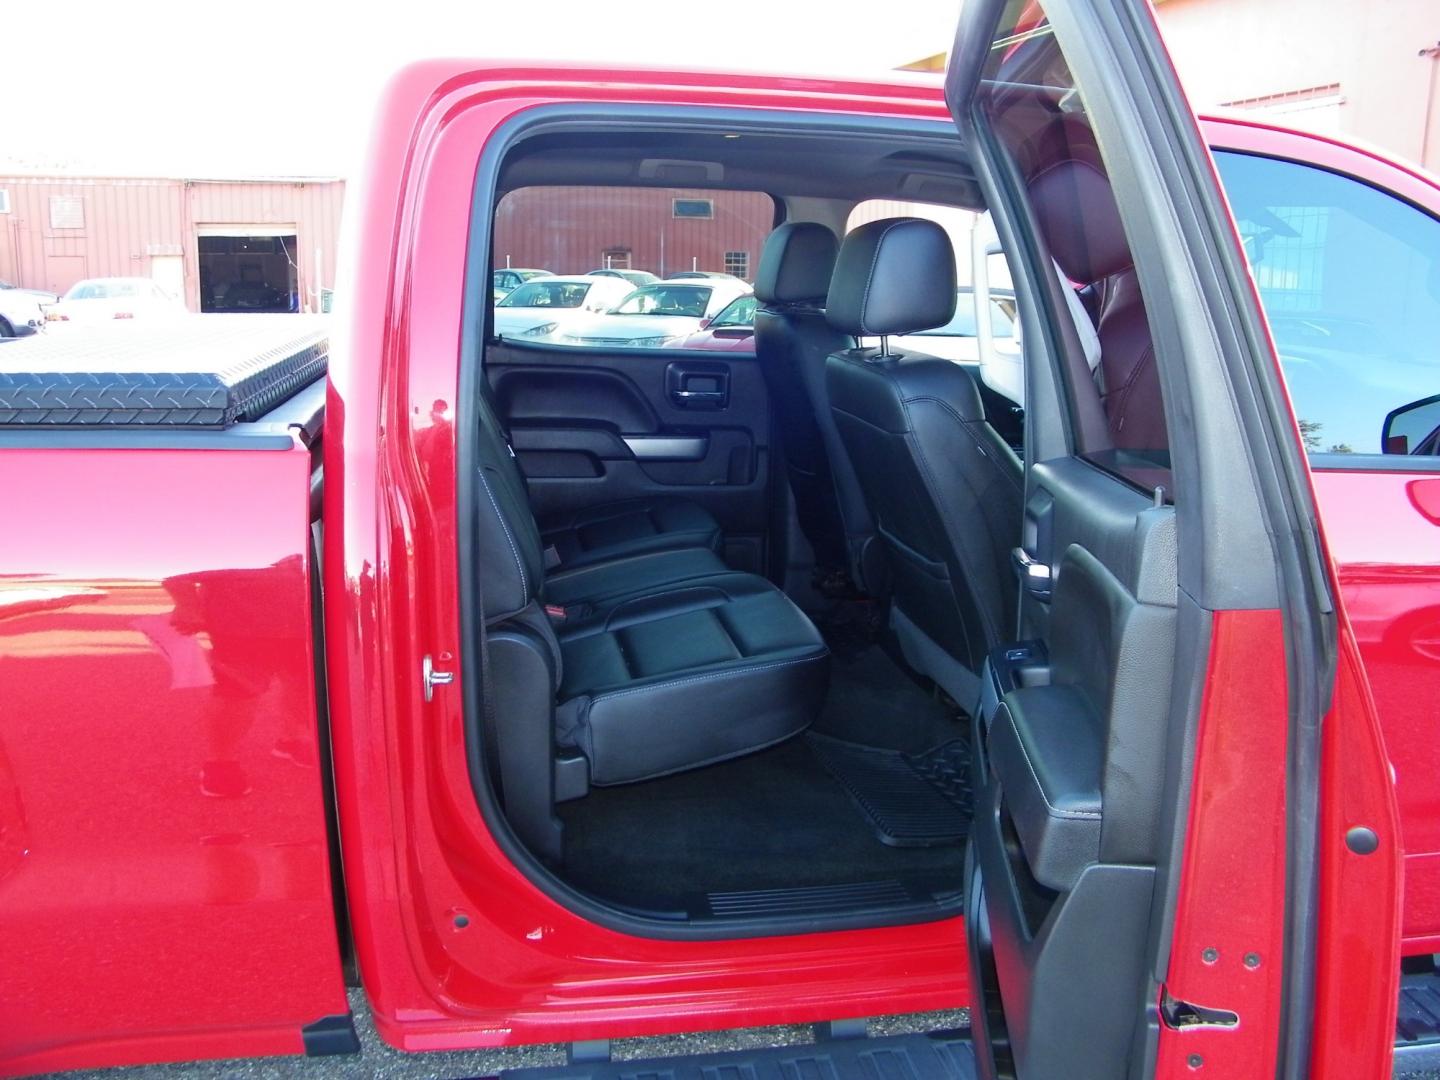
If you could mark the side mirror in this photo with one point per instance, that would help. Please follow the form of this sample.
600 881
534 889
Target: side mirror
704 324
1413 428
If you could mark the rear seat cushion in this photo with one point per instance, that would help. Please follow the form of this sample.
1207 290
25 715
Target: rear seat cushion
579 589
685 674
633 527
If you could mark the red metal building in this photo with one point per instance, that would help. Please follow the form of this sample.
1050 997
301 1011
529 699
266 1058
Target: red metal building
571 230
194 236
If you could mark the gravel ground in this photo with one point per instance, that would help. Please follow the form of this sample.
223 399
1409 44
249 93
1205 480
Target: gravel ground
377 1059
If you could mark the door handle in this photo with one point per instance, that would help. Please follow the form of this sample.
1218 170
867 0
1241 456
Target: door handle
1034 575
698 384
693 398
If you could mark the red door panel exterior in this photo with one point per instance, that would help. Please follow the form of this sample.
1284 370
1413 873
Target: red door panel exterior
1387 550
164 874
418 855
1383 532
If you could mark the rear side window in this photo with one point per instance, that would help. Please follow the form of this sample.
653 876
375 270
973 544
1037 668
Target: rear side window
1029 97
1349 277
626 267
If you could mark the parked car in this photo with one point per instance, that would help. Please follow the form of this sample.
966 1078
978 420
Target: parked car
654 314
689 275
545 306
733 328
955 340
105 299
43 296
475 678
730 330
509 278
634 277
21 312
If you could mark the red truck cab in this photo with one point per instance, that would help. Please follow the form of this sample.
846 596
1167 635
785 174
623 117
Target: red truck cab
582 693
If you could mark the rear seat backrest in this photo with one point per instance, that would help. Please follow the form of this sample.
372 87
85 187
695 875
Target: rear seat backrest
510 554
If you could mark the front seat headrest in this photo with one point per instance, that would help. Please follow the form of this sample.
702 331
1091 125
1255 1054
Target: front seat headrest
893 276
795 264
1076 210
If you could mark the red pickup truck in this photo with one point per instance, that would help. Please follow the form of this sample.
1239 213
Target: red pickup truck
558 694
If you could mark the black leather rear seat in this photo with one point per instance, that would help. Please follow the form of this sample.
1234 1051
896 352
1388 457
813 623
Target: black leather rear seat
661 660
633 527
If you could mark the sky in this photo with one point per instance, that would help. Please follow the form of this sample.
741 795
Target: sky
260 87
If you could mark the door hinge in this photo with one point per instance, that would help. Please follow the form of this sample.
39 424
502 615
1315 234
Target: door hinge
1186 1014
432 678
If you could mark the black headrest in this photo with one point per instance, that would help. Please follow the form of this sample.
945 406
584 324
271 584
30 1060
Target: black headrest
893 276
795 264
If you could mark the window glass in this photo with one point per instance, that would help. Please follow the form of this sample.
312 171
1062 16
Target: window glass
1029 98
544 293
674 258
963 324
1349 277
740 312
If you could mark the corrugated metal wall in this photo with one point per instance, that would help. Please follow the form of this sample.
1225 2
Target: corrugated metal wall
568 230
126 223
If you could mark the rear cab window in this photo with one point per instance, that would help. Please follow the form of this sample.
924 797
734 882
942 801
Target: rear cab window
1349 276
627 267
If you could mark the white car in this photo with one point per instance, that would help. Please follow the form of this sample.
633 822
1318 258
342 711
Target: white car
654 314
20 310
106 299
542 306
956 340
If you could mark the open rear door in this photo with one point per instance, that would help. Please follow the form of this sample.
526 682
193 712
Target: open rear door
1162 817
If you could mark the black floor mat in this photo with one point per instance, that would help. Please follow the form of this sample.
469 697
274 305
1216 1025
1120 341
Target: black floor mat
911 800
777 822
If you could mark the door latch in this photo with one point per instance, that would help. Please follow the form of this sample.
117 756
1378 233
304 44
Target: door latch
433 678
1186 1014
1034 575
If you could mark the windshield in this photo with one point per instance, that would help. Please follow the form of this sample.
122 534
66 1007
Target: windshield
100 290
549 294
685 300
740 312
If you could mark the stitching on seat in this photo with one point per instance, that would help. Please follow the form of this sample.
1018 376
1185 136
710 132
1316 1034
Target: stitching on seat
706 678
870 277
515 551
618 611
927 476
968 426
718 614
1084 815
570 575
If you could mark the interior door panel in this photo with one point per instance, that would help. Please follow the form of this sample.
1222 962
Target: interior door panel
593 426
1069 765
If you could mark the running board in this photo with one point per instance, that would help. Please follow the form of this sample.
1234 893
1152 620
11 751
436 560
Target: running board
1417 1024
938 1055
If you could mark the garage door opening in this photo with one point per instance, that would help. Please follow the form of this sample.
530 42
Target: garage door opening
249 272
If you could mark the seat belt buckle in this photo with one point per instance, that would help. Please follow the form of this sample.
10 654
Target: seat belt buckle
552 557
556 612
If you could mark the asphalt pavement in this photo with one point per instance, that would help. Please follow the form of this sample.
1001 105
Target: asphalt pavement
375 1059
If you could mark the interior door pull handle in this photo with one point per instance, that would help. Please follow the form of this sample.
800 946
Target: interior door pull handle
1034 575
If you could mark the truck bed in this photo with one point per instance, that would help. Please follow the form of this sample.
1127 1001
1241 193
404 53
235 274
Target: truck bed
205 372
